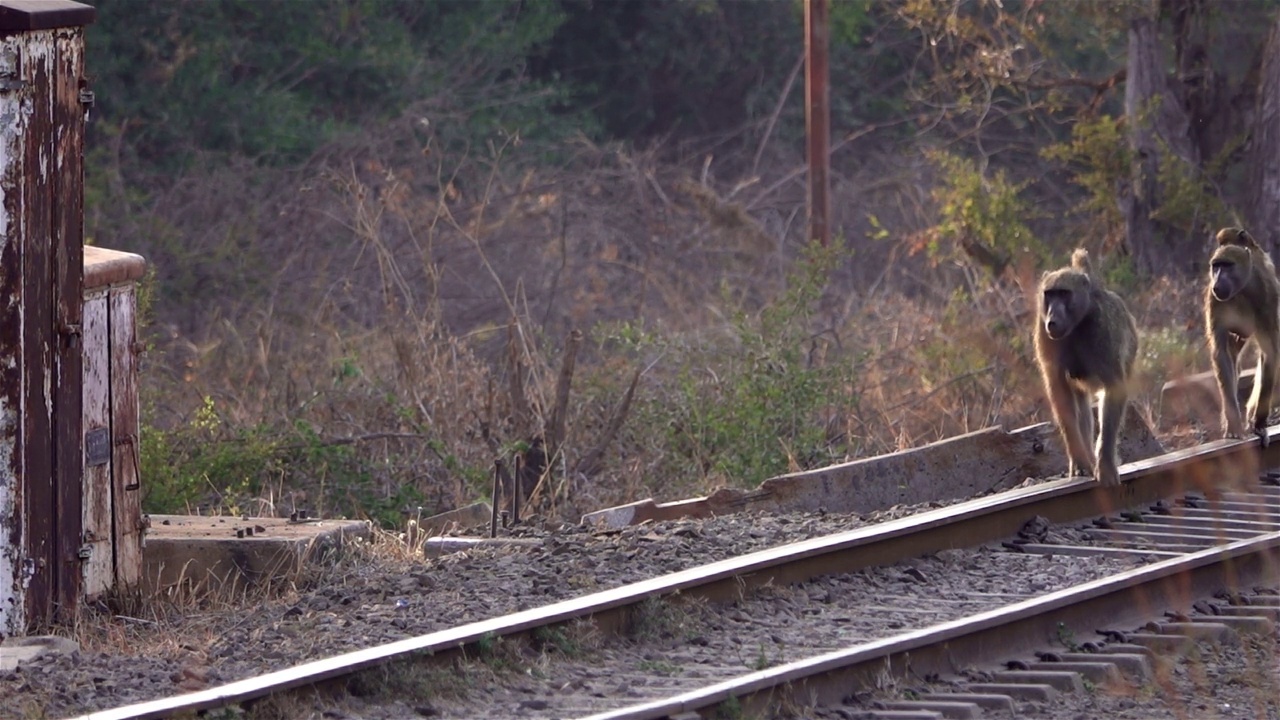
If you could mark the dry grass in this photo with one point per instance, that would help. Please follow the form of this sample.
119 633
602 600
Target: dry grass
183 621
398 325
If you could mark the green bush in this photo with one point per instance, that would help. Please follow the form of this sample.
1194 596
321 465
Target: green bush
210 466
203 464
983 218
749 403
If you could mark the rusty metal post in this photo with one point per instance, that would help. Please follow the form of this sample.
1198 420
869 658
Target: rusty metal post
817 119
497 488
517 489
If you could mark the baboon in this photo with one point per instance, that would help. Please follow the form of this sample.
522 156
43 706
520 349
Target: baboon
1086 342
1242 302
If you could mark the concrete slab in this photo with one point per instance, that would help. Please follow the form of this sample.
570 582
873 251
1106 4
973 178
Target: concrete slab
987 701
960 467
1019 690
462 518
1060 681
953 709
218 550
17 651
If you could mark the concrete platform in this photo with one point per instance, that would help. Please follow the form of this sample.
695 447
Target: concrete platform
219 550
16 651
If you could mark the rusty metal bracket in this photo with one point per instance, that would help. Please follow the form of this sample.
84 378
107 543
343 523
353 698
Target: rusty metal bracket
132 441
71 332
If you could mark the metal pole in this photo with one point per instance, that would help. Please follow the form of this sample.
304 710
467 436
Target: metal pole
497 489
817 119
517 490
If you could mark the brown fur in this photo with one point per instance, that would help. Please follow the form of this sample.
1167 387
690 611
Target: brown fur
1242 303
1086 341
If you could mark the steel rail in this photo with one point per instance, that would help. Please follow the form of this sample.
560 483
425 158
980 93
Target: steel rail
1133 597
1234 463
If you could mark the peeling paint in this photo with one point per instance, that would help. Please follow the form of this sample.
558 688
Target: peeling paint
40 296
13 122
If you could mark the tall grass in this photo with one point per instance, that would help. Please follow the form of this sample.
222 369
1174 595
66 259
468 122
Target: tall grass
649 331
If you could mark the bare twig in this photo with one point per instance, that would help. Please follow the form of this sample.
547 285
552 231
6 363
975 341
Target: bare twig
564 260
590 463
777 110
519 403
555 432
959 378
802 169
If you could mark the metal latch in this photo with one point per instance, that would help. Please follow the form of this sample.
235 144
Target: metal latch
71 331
85 552
86 98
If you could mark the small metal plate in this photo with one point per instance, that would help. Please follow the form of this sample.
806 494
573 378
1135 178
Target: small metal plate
97 447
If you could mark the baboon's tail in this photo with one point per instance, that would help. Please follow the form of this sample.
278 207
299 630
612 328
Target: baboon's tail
1080 260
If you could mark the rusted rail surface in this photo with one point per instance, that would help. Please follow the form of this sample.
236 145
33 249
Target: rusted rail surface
1129 598
1221 463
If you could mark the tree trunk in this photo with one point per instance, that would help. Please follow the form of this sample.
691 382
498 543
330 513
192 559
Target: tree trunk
1201 88
1156 120
1264 157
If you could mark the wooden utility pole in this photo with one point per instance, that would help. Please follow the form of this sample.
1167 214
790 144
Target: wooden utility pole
817 119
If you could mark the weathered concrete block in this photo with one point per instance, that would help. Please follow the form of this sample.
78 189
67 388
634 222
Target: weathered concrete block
458 519
219 550
958 467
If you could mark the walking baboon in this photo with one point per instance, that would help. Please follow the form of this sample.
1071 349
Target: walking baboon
1242 302
1086 342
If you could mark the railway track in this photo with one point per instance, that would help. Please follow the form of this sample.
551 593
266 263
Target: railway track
1059 555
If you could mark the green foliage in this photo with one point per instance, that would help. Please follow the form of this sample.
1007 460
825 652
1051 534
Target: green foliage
658 667
271 81
1168 352
730 709
1099 157
746 406
555 638
488 644
700 66
1120 275
211 464
1067 637
203 459
762 660
984 217
1189 203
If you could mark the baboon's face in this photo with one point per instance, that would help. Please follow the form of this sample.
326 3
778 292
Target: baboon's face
1061 313
1064 301
1228 272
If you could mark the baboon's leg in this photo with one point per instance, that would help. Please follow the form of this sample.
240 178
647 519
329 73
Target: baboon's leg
1066 413
1115 400
1263 383
1084 416
1226 348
